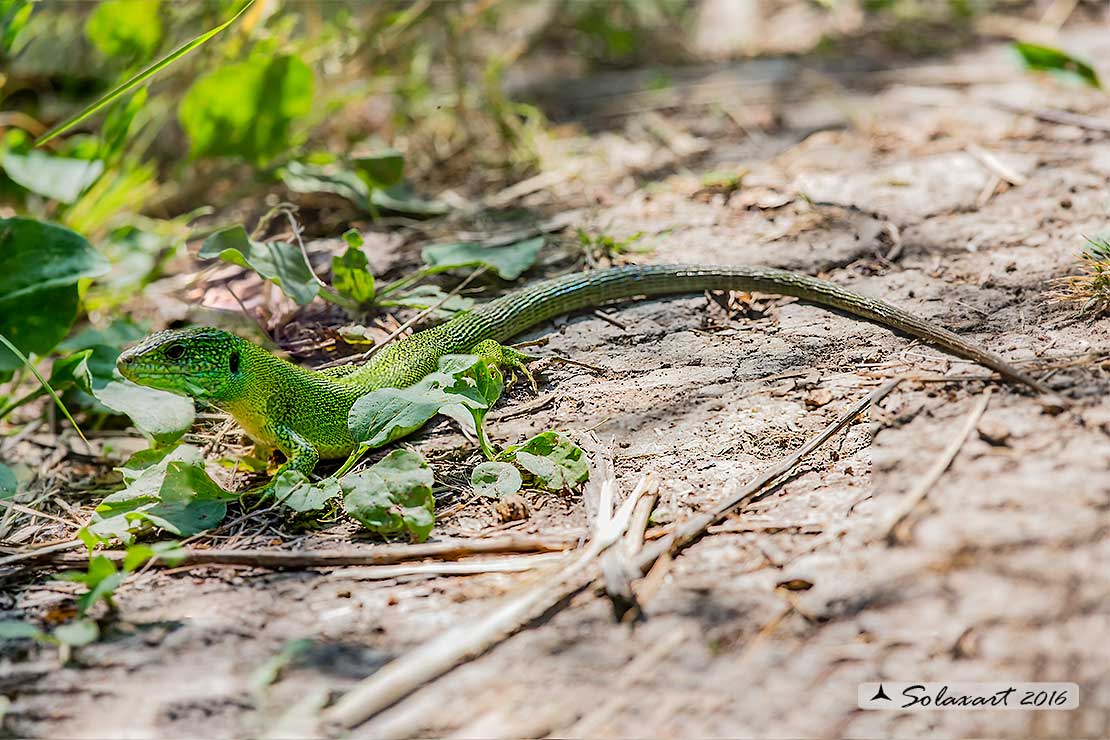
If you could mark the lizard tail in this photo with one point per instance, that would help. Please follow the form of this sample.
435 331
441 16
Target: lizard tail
509 315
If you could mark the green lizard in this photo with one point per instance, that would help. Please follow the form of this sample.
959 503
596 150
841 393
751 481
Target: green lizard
303 412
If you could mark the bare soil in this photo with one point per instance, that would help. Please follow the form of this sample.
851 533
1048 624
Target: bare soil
910 184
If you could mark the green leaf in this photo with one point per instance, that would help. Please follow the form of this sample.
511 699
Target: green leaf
246 109
141 460
58 178
139 78
174 493
556 462
402 200
137 555
380 170
13 630
495 479
78 633
425 296
294 490
13 17
351 276
353 238
1047 59
301 177
387 414
281 264
127 28
163 416
393 496
40 265
509 261
8 482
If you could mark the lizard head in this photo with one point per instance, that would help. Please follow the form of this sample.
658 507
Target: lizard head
202 363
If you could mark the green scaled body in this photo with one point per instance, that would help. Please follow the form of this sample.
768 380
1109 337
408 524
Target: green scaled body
304 412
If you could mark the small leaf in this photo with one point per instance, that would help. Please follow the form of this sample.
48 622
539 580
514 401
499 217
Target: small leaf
556 462
309 178
8 482
393 496
387 414
174 493
77 633
280 263
13 630
294 490
509 261
495 479
380 170
353 238
1047 59
58 178
13 17
129 28
350 275
162 415
426 296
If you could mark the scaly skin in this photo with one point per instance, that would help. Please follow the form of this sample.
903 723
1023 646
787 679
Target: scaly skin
304 412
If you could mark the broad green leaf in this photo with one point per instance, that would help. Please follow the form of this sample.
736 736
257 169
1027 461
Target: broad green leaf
164 416
556 462
426 296
351 276
13 17
353 238
36 255
387 414
294 490
302 177
393 496
40 265
310 178
246 109
58 178
380 170
1047 59
174 493
128 28
8 482
137 555
495 479
78 633
282 264
13 630
134 466
509 261
139 78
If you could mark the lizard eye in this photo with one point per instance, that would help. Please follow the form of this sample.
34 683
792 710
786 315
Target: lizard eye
233 362
175 351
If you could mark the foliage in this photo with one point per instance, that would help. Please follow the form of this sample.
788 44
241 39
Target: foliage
8 482
170 491
282 264
125 28
60 178
495 479
556 463
509 261
246 109
40 265
393 496
1047 59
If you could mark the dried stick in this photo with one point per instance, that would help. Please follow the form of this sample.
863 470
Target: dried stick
464 567
442 654
917 495
1053 115
374 555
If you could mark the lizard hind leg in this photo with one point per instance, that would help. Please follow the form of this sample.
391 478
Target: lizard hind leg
505 359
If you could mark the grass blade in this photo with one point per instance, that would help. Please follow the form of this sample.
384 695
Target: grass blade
15 351
139 78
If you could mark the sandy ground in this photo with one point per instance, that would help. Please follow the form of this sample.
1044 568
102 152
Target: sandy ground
911 185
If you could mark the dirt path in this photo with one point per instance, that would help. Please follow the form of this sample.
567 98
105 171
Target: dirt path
917 187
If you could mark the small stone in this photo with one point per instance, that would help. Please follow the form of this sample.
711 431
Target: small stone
818 398
512 508
994 432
